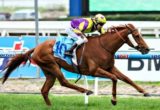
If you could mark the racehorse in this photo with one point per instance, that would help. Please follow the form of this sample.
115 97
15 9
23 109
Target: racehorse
98 60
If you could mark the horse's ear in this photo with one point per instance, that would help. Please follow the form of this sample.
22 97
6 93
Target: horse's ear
128 26
131 26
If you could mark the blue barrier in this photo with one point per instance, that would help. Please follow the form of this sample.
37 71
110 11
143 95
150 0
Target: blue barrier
10 46
117 56
131 55
9 49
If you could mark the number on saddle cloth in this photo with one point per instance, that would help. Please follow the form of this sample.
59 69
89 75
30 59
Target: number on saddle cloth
62 44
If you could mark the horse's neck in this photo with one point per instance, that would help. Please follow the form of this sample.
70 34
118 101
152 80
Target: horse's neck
113 41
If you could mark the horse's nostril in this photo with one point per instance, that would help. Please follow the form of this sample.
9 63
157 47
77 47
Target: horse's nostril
148 49
144 50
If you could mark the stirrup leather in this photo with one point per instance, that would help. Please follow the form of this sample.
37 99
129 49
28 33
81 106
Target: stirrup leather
68 53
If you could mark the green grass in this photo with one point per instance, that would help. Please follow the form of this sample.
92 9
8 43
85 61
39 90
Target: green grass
13 9
103 83
41 9
35 102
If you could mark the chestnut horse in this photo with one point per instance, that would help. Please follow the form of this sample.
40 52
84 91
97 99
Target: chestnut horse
98 60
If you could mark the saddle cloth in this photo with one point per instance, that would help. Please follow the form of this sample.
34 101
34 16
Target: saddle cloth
62 44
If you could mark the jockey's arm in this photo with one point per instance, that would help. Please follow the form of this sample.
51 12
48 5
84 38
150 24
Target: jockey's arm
79 33
102 30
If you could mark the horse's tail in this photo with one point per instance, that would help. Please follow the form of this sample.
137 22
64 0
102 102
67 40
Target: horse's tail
15 62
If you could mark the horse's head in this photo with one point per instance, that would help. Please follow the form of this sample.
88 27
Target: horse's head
135 40
123 34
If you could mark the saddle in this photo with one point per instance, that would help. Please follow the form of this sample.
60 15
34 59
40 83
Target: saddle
62 44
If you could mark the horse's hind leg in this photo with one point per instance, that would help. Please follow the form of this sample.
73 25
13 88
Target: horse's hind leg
50 80
124 78
54 68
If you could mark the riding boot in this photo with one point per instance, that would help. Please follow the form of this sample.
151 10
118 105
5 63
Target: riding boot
70 51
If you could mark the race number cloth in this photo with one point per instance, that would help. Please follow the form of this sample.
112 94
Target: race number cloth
62 44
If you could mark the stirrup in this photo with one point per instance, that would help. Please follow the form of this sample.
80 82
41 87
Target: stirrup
68 54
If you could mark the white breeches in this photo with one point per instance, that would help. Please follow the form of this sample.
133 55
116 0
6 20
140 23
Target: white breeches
71 34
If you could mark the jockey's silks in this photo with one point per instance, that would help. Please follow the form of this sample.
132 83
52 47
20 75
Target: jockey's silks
85 25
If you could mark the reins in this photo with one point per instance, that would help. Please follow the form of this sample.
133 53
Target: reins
120 36
108 49
79 63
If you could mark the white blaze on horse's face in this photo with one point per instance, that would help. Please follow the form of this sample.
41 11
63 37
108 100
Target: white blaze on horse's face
132 40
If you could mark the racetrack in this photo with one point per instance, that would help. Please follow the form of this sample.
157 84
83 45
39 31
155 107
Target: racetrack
70 102
105 87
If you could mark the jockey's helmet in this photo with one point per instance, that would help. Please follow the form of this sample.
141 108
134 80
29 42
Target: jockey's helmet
100 19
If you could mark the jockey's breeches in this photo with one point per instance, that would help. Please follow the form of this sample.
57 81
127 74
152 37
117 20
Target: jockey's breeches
71 34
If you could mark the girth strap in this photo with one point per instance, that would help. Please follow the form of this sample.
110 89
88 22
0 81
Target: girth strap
76 68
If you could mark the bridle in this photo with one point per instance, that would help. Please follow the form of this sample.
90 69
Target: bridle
120 36
130 31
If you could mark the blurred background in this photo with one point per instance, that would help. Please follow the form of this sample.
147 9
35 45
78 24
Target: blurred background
25 23
64 9
18 9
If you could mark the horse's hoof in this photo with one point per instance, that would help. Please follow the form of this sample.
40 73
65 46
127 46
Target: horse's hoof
147 95
89 93
114 102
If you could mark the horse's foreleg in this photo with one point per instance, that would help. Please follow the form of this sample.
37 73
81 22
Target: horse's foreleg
105 74
124 78
50 80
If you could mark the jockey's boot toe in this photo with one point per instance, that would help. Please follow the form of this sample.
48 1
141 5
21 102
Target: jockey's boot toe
67 53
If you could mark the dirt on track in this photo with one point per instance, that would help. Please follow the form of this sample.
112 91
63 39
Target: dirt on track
105 87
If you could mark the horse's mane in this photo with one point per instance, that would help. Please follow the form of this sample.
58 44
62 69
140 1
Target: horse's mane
110 30
116 27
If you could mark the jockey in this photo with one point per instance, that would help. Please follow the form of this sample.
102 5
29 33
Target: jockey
84 25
